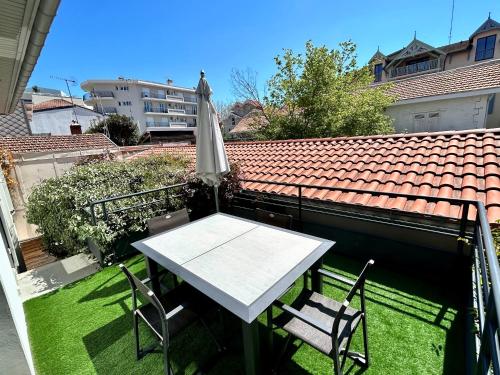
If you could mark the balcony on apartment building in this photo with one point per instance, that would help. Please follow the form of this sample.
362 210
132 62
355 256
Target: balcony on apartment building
177 111
168 97
414 68
106 110
98 94
169 124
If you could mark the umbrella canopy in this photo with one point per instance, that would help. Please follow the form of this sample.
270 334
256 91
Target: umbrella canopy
211 158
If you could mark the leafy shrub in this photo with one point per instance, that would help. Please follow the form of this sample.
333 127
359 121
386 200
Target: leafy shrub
121 129
58 205
199 198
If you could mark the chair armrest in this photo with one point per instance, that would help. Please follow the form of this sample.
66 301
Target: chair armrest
334 276
174 312
305 318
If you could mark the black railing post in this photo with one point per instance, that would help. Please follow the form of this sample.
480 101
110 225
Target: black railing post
92 213
104 212
300 207
463 227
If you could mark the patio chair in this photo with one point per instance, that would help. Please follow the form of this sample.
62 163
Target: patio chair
326 324
167 315
273 218
162 223
168 221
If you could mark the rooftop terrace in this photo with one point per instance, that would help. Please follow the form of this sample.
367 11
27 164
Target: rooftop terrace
415 326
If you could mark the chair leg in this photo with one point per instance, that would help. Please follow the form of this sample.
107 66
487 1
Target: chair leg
365 340
212 336
166 361
137 338
281 354
337 370
346 351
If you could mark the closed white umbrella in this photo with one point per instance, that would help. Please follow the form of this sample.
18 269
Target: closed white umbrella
211 158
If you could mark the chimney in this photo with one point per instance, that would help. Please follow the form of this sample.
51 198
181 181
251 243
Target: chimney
75 128
170 82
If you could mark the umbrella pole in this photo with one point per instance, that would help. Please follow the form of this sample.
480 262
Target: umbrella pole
216 192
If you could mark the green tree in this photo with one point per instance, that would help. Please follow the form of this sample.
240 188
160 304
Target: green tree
324 94
120 129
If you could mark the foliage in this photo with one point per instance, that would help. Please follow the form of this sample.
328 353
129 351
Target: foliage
199 197
324 94
496 237
57 205
120 128
7 164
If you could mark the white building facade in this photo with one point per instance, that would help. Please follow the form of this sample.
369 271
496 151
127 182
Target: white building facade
165 111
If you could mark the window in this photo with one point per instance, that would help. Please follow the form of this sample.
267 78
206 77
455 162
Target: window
233 121
124 88
485 47
125 103
377 71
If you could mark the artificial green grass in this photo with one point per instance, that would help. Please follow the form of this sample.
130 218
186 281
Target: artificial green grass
414 327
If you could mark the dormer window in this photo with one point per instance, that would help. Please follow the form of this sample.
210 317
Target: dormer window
377 71
485 47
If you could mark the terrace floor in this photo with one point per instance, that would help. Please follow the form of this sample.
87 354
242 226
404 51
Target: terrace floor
415 326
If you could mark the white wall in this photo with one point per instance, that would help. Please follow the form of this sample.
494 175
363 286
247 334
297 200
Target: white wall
9 285
57 121
454 114
30 170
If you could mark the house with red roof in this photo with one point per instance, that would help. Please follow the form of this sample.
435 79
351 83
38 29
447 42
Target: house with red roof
452 87
59 117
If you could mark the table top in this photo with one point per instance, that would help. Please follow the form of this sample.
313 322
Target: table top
241 264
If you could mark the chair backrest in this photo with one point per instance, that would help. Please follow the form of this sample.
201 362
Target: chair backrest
138 286
273 218
360 282
168 221
358 285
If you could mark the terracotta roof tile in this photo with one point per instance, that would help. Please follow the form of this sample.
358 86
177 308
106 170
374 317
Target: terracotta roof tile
52 104
469 78
462 164
30 144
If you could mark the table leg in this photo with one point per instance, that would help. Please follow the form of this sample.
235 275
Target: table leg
316 279
152 269
251 347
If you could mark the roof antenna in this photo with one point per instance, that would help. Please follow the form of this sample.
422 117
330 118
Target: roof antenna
451 21
415 35
489 15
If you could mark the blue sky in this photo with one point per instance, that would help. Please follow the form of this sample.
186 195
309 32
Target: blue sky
153 40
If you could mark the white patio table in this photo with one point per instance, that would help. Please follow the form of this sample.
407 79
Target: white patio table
241 264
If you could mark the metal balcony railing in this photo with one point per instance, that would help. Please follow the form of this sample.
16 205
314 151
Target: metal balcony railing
176 110
414 68
157 124
98 94
155 109
175 97
153 95
485 266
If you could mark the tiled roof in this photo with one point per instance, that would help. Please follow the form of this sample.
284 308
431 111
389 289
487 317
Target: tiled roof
27 144
15 124
449 164
469 78
52 104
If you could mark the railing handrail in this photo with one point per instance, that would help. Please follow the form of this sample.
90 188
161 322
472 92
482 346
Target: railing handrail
431 198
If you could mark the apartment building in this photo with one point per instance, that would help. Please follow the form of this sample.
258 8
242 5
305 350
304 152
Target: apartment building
163 112
451 87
